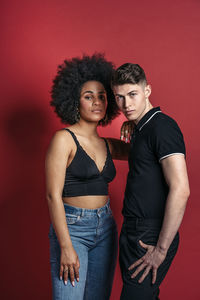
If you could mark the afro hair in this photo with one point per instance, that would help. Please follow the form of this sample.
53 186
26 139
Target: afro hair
71 76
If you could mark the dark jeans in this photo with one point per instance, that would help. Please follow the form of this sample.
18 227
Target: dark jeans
130 250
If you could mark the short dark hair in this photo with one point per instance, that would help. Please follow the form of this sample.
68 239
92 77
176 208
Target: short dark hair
128 73
71 76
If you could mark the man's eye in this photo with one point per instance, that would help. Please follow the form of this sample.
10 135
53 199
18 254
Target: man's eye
133 94
119 98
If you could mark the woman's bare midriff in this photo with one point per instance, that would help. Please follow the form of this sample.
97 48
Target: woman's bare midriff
88 202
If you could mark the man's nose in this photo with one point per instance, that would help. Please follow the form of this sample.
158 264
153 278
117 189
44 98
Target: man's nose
127 102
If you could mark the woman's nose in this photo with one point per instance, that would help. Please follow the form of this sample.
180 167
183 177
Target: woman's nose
96 100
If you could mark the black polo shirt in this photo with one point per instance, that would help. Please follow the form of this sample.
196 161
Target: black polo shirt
155 137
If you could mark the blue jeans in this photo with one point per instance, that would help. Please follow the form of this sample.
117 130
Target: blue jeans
94 237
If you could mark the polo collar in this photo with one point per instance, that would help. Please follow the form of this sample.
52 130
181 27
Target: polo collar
147 117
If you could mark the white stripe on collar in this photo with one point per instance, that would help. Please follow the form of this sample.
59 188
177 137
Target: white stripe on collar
159 111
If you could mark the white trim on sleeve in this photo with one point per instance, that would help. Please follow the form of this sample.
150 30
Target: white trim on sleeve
170 155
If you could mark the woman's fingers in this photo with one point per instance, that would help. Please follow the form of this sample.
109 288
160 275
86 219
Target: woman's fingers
122 132
71 274
70 271
61 272
65 272
76 271
126 130
69 267
126 133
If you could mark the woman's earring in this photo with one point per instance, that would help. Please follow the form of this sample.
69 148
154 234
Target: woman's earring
104 120
77 116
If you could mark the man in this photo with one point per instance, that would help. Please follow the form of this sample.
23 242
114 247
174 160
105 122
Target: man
157 188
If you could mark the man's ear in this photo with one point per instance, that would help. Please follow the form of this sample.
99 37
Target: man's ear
147 91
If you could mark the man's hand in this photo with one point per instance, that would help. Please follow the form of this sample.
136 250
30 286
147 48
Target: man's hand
151 260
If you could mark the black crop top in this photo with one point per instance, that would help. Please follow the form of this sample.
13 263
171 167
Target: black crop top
82 176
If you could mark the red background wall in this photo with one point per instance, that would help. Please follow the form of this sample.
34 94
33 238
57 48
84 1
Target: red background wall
162 36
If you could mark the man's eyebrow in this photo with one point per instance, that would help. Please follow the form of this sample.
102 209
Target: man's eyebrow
133 91
119 95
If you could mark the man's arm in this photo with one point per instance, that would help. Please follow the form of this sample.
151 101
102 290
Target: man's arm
175 172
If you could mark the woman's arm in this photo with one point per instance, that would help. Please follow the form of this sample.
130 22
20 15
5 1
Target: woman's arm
118 149
56 161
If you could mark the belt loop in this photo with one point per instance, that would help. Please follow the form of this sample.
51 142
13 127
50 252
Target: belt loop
98 212
82 212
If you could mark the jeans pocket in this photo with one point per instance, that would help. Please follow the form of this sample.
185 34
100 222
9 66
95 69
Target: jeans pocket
149 237
142 236
72 219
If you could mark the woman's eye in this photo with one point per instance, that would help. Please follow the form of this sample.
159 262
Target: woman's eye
88 97
102 97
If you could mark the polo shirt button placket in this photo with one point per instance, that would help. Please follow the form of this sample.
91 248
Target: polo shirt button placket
134 134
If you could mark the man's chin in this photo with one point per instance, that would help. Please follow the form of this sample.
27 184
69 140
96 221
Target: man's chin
130 118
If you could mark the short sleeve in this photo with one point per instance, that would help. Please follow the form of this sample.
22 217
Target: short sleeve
168 139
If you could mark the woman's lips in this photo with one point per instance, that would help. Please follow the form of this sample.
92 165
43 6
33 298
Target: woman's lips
97 111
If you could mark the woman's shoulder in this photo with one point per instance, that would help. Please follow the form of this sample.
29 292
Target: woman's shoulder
62 138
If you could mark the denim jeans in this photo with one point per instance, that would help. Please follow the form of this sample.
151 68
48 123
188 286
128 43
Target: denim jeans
94 237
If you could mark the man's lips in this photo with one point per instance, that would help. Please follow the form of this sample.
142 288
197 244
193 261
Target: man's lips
129 112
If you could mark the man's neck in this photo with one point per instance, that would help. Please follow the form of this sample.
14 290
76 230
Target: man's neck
148 107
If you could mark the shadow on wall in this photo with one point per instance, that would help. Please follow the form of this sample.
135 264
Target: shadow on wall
23 214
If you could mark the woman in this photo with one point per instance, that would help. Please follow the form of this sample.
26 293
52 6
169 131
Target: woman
79 166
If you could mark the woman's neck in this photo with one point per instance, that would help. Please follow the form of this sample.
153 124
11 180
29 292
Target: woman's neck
87 129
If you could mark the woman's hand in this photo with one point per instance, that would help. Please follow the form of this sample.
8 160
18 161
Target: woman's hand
69 265
127 130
